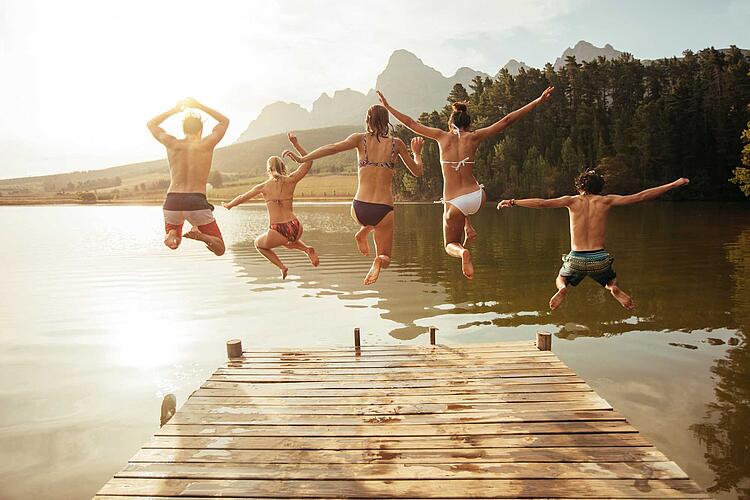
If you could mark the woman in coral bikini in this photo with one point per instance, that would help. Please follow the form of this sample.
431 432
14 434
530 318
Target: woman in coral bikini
278 191
462 194
372 207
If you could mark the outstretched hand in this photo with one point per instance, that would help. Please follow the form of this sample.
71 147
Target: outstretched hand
292 156
681 182
416 145
504 204
226 205
382 99
546 94
292 138
189 102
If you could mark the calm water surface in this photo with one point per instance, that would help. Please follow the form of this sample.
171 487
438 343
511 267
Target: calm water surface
98 321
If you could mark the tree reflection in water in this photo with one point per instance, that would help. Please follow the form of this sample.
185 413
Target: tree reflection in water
725 433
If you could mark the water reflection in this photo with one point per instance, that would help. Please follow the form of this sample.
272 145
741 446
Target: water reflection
725 433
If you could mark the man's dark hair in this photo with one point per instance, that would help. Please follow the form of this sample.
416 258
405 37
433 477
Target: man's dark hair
590 182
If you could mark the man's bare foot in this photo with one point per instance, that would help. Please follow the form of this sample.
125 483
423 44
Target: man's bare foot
623 298
314 260
284 272
466 265
212 242
557 298
377 264
172 240
469 234
362 243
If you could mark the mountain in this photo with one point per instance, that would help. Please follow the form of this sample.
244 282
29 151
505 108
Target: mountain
514 67
585 51
406 81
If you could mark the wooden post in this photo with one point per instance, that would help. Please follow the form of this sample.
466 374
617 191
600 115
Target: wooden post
433 331
357 340
234 348
544 341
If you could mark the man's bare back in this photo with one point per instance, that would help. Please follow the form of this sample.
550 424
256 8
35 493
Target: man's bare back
189 167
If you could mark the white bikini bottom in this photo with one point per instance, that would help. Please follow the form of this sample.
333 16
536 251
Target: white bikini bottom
468 203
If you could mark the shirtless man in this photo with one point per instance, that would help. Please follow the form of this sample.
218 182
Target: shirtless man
189 166
588 228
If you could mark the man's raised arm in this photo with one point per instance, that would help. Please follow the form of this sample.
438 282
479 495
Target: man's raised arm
646 194
561 202
154 125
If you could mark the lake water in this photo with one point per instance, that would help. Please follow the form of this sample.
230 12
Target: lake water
99 320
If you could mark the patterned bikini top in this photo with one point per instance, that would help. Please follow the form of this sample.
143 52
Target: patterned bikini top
456 165
364 162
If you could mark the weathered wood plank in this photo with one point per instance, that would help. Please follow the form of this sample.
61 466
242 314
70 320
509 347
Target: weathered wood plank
465 443
384 377
394 420
386 361
193 406
296 456
439 488
403 471
398 349
588 427
531 397
455 370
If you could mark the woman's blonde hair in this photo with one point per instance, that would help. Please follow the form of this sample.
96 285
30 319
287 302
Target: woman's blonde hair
276 167
377 122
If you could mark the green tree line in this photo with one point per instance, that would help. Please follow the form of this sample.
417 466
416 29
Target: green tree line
640 123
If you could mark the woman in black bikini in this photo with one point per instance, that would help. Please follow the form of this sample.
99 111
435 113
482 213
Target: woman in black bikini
372 207
278 191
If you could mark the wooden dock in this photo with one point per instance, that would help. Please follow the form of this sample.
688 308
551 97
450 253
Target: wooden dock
504 420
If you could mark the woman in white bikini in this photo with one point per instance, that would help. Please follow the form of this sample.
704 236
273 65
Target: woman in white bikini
284 228
462 194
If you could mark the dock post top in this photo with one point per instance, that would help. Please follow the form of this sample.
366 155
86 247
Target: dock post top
544 341
433 332
234 348
357 339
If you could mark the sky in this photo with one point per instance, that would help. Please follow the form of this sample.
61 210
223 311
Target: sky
80 79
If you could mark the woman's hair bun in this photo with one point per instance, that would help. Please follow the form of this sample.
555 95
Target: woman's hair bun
459 107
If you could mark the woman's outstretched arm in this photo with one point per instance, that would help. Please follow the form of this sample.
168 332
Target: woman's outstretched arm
303 169
327 150
255 191
513 116
409 122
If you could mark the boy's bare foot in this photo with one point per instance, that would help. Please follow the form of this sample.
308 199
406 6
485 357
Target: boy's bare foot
314 260
377 264
361 238
623 298
557 298
284 271
466 265
172 240
212 242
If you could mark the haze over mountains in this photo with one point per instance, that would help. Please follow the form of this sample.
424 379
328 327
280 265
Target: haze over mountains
406 81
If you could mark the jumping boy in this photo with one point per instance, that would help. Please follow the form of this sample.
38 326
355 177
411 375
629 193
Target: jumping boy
189 165
588 228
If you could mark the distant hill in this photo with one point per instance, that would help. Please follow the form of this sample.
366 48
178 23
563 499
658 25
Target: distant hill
514 67
245 159
585 52
406 81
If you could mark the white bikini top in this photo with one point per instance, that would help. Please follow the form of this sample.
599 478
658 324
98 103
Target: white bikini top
456 165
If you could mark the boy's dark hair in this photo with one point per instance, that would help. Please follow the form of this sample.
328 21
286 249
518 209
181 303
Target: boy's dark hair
589 182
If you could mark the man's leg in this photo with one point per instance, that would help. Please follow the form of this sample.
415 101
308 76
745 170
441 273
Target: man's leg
206 230
453 227
173 220
623 298
562 290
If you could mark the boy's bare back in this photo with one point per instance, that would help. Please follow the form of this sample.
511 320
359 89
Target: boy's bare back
588 221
